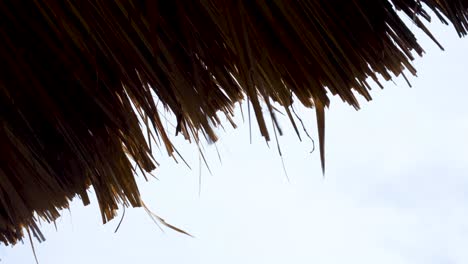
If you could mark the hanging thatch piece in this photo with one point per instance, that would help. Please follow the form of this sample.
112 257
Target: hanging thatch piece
73 71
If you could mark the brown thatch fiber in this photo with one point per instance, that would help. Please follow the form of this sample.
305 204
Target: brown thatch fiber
77 74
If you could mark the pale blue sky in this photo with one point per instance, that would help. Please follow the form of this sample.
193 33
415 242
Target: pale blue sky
395 189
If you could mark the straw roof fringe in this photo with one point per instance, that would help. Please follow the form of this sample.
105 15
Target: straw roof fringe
77 75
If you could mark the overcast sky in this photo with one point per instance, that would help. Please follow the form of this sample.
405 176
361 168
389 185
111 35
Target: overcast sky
395 189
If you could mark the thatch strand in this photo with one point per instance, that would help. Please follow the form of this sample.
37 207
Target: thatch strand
78 76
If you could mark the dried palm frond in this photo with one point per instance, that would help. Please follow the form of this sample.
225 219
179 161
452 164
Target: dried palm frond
77 75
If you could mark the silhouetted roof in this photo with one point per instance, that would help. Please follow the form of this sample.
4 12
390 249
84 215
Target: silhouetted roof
77 76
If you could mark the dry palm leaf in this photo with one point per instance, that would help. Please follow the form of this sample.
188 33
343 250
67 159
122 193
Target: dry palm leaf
77 75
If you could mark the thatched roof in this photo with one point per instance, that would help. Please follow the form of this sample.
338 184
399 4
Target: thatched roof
77 76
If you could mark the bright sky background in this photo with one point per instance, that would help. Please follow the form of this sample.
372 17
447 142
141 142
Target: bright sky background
395 189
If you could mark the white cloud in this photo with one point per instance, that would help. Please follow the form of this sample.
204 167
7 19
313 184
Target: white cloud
394 192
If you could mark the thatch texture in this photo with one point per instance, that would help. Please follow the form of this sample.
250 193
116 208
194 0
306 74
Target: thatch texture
77 74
